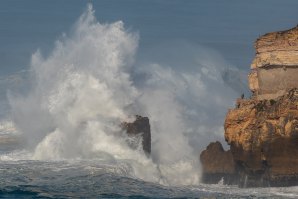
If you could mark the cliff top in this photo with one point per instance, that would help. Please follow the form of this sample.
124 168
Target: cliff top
281 40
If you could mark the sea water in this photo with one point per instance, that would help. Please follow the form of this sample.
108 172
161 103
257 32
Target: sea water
60 134
100 179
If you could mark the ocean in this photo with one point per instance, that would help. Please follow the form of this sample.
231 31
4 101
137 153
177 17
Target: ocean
73 71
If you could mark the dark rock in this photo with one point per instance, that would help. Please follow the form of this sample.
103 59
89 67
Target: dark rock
218 164
140 126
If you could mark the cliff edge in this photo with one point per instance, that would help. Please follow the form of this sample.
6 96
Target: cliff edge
263 131
275 66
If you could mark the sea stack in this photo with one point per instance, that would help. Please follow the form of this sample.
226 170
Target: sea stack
263 131
140 127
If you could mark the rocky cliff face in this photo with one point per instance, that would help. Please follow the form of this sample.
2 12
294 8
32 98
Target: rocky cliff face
263 131
263 137
275 66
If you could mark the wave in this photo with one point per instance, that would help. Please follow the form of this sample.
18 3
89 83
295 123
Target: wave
83 90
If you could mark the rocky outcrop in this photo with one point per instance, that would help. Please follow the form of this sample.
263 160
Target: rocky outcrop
140 127
275 66
218 164
263 139
277 49
263 131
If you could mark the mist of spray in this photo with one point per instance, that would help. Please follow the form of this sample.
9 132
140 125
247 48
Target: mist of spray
84 89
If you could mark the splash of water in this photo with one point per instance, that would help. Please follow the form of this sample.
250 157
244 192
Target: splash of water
83 90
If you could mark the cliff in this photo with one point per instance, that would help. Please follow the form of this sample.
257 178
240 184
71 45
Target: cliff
275 66
263 131
218 164
263 137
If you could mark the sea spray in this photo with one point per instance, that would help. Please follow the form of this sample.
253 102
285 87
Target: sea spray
83 80
83 90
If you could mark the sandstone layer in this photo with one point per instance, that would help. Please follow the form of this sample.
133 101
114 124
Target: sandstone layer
262 131
275 66
263 139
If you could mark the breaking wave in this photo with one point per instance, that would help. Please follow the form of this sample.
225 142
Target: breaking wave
83 90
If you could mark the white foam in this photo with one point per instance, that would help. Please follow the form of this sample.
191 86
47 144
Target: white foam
83 90
7 127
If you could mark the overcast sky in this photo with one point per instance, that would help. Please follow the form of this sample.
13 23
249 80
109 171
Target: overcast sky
228 26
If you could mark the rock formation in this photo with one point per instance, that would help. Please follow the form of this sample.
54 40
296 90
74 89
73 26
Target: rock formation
140 127
275 67
263 137
218 164
263 131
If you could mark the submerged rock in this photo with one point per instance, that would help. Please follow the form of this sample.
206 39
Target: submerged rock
263 131
140 127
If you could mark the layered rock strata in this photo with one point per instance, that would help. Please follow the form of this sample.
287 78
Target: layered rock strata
275 66
140 127
262 131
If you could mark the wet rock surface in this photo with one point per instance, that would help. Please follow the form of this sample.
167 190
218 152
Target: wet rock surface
140 127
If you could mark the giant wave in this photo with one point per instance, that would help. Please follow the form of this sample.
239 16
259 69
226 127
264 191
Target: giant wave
83 90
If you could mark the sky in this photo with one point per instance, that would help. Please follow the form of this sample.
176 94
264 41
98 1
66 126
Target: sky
184 46
227 26
173 33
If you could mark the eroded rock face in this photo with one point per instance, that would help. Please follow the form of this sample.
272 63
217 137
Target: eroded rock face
263 136
277 48
218 164
140 126
263 139
275 66
263 131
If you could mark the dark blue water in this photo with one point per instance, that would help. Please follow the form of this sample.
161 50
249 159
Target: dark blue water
92 179
78 180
